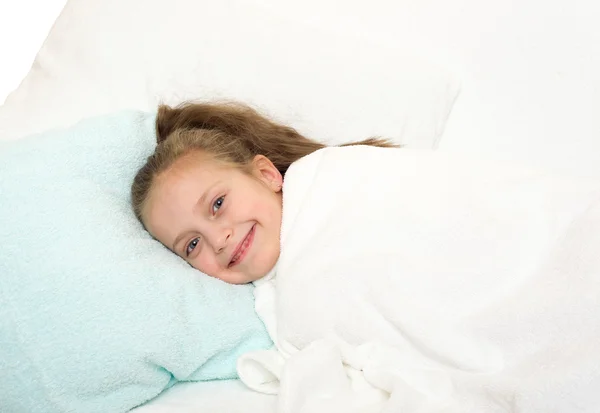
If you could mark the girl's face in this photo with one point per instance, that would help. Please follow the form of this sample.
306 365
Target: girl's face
221 220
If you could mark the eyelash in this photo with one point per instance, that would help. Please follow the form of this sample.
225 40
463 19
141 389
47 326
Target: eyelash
188 251
215 206
194 242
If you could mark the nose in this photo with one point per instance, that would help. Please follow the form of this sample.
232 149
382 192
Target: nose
219 238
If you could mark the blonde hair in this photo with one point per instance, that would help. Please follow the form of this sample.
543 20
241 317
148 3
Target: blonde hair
230 132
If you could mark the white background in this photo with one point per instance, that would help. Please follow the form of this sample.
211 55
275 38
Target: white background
24 25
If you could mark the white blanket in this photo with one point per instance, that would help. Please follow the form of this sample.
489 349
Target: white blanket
424 282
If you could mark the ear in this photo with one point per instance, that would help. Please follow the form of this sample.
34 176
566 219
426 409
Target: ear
264 170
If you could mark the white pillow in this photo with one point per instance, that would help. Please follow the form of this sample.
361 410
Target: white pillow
529 69
105 55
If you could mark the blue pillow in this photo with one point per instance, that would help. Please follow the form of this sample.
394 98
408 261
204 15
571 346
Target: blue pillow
95 315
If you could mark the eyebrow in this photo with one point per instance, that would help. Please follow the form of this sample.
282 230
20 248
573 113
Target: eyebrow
200 201
178 239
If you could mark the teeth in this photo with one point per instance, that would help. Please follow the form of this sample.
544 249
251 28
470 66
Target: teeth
240 252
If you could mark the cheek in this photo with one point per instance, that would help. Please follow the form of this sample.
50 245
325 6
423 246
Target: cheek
257 204
274 211
206 263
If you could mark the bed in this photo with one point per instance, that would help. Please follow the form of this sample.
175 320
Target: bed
210 397
510 80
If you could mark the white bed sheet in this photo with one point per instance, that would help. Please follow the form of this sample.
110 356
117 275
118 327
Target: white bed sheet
229 396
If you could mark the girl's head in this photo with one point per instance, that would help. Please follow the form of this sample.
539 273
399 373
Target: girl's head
211 191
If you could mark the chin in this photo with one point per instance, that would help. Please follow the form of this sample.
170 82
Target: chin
261 264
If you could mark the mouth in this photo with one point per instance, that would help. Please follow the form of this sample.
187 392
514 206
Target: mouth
243 247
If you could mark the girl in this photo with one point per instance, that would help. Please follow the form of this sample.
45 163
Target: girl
407 280
211 192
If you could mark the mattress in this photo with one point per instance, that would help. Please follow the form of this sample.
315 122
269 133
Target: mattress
229 396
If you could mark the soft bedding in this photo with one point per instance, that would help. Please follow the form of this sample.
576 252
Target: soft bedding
425 282
220 396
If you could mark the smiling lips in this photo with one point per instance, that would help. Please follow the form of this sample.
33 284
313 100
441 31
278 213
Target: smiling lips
242 248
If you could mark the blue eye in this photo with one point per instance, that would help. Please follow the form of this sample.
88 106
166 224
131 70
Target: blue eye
218 204
190 247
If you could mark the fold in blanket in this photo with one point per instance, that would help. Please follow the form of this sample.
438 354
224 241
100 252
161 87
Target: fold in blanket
426 282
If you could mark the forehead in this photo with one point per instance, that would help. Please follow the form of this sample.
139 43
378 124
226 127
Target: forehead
195 170
186 179
176 191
